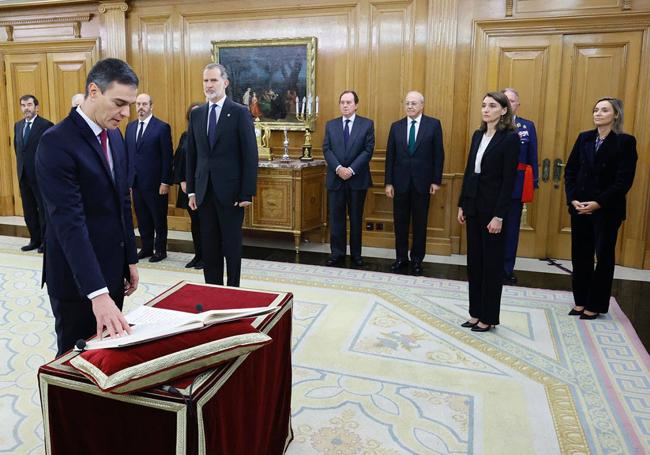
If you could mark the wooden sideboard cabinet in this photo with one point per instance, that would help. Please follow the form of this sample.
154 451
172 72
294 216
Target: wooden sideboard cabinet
291 197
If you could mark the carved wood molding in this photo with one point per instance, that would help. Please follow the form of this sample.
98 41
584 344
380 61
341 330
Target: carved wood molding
509 6
76 20
627 5
113 18
108 6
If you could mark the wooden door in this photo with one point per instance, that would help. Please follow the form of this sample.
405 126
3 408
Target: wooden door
558 77
531 65
26 74
593 66
66 76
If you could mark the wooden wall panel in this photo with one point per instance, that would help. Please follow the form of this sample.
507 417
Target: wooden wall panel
381 48
67 76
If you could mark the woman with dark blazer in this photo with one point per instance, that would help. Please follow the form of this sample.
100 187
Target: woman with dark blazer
599 173
182 201
484 201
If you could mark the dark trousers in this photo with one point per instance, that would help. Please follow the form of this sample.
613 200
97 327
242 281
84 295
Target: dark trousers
221 236
74 320
151 211
33 209
512 223
341 202
485 253
195 226
411 208
593 234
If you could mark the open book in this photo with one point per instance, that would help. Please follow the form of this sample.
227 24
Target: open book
150 323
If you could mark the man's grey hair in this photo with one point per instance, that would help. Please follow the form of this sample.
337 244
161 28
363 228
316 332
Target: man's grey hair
220 67
510 89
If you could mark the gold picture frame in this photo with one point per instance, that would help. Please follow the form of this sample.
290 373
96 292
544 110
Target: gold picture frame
267 76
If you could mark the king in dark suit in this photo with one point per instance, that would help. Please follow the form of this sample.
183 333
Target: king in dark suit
414 161
27 134
149 144
90 254
347 147
221 174
527 156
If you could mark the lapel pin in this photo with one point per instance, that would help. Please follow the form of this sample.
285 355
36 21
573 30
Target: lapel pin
228 115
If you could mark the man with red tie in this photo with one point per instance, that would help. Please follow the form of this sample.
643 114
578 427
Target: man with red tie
90 252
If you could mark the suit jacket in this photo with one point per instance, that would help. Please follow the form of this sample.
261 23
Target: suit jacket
152 156
604 176
231 165
90 239
25 153
527 154
425 166
356 155
180 175
490 191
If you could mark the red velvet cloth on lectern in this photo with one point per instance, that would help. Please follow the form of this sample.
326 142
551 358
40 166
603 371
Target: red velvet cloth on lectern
240 407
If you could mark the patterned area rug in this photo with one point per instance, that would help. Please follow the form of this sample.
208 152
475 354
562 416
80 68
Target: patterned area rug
381 366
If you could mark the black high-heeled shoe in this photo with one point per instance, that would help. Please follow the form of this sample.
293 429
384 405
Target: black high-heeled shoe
589 316
476 328
468 325
575 312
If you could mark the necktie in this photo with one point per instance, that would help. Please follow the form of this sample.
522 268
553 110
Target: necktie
26 131
103 138
411 144
137 139
212 126
346 132
599 142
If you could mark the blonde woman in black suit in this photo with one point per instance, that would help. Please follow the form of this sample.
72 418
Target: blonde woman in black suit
599 173
484 201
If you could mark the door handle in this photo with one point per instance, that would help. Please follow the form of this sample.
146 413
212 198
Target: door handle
557 172
546 169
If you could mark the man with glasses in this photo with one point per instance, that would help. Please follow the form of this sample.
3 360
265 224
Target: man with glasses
414 160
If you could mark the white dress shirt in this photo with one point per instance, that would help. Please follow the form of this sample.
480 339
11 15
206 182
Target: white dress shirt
409 122
485 141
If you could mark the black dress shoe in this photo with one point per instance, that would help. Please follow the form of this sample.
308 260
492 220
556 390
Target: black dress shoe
575 312
41 249
398 265
192 263
358 261
589 316
157 257
476 328
30 246
468 325
510 279
144 254
199 265
332 261
417 268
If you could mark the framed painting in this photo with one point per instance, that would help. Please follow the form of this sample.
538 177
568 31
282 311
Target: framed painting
275 78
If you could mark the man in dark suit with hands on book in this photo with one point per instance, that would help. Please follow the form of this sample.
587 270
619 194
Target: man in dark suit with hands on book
90 254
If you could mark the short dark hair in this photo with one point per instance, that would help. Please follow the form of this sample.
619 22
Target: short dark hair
109 70
506 122
28 97
354 94
190 109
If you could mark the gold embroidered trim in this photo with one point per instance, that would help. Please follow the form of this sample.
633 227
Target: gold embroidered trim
147 374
